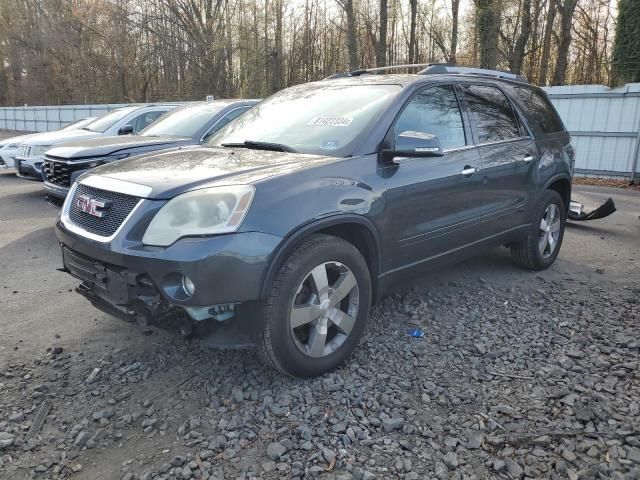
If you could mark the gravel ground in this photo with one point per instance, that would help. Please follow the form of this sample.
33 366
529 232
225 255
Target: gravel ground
519 374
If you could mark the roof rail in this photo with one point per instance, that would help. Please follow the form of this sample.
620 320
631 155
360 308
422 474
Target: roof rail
443 68
357 73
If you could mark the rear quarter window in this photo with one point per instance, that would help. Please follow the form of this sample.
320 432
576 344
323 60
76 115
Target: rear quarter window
538 106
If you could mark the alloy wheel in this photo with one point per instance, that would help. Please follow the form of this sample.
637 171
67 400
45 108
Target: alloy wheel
549 231
324 309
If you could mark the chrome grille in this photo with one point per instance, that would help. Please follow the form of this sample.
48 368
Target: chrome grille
23 150
57 173
120 206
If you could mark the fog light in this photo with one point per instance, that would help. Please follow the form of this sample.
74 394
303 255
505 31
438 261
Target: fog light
188 286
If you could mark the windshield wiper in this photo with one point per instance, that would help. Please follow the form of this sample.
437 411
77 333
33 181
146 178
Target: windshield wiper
256 145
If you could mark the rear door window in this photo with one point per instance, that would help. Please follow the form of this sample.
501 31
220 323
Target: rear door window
537 104
141 121
492 114
435 111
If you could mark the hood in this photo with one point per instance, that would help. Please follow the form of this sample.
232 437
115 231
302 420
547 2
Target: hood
53 138
104 146
176 171
17 140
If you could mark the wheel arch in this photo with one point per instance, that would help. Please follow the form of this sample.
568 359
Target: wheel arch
355 229
562 185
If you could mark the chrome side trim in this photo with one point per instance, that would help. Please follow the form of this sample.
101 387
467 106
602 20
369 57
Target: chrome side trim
118 186
69 225
501 142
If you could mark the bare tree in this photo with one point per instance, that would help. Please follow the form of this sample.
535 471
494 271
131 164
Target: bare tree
487 27
381 50
352 39
455 10
566 9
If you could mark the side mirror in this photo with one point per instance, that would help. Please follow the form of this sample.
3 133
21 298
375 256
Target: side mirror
126 130
415 144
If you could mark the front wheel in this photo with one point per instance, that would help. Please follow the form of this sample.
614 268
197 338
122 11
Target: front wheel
541 245
317 308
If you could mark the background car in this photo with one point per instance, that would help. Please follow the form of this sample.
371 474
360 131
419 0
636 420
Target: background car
78 124
121 121
9 147
9 150
188 125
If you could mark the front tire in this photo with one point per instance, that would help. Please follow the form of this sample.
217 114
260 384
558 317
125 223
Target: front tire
317 308
541 245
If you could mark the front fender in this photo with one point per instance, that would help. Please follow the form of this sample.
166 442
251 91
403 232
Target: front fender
288 245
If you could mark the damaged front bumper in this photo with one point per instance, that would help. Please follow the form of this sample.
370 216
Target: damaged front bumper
577 213
147 285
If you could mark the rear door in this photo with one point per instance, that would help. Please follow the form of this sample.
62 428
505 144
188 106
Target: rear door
432 205
508 152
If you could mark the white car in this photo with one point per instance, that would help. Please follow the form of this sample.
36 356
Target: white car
78 124
9 146
121 121
9 150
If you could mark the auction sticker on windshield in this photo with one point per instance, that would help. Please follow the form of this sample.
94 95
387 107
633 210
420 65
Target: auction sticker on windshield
330 122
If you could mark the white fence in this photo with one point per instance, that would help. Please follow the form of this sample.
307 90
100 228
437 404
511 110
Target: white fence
46 119
605 127
604 124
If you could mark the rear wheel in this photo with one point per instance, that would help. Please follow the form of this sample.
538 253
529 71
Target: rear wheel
541 245
317 308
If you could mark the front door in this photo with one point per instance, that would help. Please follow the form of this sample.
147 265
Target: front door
508 153
432 202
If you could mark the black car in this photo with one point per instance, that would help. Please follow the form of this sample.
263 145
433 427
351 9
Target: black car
285 227
188 125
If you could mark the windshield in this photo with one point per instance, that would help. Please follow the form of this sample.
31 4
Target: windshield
311 118
105 122
78 124
184 122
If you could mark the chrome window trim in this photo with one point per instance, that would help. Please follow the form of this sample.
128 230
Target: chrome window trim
118 186
508 140
69 225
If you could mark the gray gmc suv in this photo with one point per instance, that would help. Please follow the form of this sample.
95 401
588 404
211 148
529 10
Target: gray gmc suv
282 230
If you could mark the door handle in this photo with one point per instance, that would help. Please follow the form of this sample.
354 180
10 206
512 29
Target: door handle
468 171
528 158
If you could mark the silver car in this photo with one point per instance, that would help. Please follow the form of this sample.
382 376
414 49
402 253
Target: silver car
121 121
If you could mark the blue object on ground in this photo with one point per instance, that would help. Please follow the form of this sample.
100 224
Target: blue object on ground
416 333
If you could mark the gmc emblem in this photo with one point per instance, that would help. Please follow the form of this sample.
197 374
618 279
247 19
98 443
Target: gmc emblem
92 206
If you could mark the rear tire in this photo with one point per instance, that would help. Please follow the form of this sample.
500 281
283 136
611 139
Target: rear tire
317 308
541 245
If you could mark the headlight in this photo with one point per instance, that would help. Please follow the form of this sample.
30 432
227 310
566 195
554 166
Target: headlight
38 150
200 212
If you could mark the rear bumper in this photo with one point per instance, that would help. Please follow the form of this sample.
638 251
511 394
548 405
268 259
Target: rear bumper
227 269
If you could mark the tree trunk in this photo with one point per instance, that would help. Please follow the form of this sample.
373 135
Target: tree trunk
381 50
517 57
488 24
546 43
566 16
352 39
277 80
412 31
455 8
